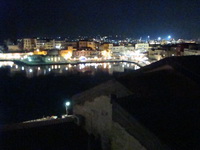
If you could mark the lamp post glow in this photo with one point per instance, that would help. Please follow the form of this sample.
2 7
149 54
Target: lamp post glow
67 104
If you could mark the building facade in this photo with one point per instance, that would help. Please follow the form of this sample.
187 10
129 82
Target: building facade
29 44
50 44
74 44
86 53
87 44
13 48
106 46
60 44
104 118
142 46
95 105
189 52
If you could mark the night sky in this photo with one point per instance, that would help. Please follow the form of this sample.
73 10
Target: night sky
132 18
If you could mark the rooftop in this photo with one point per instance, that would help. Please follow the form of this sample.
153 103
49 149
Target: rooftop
166 100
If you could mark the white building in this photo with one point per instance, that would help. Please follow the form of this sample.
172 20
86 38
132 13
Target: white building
60 44
142 46
117 51
121 50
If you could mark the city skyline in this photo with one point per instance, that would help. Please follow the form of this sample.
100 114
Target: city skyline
135 19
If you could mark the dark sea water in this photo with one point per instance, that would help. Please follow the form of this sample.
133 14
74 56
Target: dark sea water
28 93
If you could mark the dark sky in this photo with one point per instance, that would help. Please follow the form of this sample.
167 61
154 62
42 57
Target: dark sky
134 18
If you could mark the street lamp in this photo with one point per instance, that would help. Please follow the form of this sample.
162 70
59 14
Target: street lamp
67 104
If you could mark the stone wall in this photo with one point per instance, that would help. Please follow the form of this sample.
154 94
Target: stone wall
135 129
98 118
122 140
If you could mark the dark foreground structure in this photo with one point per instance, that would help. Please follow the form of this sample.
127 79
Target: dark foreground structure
62 136
154 108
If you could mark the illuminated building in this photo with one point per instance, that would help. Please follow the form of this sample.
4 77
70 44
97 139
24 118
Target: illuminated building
40 43
106 46
162 51
106 50
118 51
29 44
50 44
13 48
87 44
191 49
156 54
67 54
189 52
60 44
106 54
142 46
53 56
45 44
88 53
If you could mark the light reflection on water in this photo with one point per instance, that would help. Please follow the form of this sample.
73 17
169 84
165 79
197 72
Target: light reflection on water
82 68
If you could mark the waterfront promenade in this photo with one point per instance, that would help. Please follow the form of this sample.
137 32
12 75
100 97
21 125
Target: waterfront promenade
73 62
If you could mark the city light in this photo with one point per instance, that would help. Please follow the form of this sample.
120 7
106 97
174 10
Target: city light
70 65
67 104
29 59
82 58
107 53
58 46
6 63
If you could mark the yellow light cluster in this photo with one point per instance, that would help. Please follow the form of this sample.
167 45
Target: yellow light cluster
106 53
67 54
37 52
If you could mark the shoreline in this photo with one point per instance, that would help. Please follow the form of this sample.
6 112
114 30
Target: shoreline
19 62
